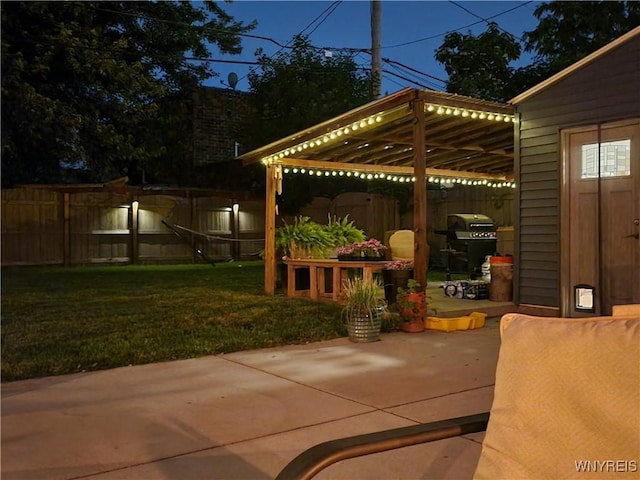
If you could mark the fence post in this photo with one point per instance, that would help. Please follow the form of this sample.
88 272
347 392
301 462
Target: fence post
66 230
134 232
235 230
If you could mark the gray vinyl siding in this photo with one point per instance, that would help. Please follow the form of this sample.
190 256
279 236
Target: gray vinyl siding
608 89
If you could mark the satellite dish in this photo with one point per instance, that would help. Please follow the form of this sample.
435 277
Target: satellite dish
232 78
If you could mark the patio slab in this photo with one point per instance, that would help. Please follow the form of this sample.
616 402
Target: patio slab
247 414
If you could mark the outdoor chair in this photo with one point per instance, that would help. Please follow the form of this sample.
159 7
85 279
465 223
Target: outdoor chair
566 405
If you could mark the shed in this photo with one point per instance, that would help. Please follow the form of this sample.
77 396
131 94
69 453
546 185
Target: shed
577 166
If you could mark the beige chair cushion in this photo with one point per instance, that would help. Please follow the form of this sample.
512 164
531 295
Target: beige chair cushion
632 309
567 390
401 245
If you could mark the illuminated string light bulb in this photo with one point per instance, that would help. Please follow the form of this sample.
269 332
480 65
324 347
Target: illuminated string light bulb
305 145
341 173
325 139
508 119
318 173
440 110
474 115
299 148
482 116
465 113
456 112
302 170
448 111
332 135
327 173
334 173
286 170
348 174
369 177
346 130
354 127
395 178
311 172
490 116
339 133
431 108
370 121
378 118
498 118
363 124
295 170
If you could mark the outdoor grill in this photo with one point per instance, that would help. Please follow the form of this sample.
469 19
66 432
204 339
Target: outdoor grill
470 238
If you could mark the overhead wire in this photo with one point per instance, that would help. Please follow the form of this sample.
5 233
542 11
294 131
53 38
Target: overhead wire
431 37
483 19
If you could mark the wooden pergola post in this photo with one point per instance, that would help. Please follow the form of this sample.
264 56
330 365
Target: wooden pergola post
270 232
421 248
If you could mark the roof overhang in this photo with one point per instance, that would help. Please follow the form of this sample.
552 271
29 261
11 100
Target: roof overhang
576 66
464 138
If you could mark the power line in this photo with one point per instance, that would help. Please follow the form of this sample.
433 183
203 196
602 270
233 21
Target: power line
483 19
457 29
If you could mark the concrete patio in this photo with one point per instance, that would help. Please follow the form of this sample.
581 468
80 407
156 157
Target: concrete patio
246 415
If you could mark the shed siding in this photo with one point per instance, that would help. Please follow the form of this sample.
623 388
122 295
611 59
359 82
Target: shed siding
605 90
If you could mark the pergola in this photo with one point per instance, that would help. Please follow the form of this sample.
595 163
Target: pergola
414 136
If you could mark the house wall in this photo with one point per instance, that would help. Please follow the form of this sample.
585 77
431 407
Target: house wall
605 90
217 120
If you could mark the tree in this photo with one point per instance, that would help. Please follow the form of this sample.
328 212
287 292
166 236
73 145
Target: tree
478 66
294 90
92 86
569 31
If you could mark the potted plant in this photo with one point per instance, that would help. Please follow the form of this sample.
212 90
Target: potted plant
369 250
343 232
363 309
412 306
303 239
396 275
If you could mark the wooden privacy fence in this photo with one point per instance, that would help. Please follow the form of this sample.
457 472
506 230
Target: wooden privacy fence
48 225
89 224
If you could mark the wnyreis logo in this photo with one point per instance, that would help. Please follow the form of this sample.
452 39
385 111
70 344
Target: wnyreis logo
607 466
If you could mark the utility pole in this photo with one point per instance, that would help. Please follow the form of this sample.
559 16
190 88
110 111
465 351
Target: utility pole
376 60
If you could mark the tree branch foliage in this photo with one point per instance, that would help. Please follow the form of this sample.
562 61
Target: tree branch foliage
101 86
481 66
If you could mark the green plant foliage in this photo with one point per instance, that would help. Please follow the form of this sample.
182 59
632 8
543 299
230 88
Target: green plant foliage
342 231
102 89
362 296
304 239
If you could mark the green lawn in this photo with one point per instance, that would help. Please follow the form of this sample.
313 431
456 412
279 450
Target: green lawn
63 320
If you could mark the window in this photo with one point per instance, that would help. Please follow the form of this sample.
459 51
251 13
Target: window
615 159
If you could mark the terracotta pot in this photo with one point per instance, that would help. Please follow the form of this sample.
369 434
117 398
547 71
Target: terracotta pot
414 326
418 305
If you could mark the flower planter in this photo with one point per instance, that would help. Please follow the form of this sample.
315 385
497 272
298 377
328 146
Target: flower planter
413 326
415 312
364 328
394 279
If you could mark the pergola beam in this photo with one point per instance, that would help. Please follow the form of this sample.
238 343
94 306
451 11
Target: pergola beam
386 169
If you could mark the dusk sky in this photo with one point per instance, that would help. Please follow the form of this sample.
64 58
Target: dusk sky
411 32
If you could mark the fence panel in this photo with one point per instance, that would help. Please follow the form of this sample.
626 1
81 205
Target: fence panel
99 228
32 228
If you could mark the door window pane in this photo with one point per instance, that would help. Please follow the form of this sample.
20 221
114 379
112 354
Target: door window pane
615 159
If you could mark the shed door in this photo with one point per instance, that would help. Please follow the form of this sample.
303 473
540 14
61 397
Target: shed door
604 214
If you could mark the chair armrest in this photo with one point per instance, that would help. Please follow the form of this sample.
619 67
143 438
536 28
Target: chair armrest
317 458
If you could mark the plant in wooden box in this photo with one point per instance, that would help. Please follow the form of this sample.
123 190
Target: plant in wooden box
412 305
363 309
303 239
343 232
396 275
